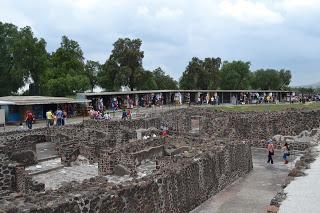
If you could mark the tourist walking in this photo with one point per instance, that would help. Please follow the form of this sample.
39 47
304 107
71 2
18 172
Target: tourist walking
64 117
50 118
124 114
286 153
59 116
29 119
270 151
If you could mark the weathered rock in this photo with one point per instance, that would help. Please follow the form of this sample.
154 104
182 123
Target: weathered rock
296 173
38 187
287 181
272 209
27 157
121 170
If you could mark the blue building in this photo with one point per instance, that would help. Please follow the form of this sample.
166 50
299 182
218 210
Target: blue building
16 106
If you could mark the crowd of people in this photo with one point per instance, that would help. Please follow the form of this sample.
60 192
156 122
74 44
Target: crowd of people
99 115
105 115
59 118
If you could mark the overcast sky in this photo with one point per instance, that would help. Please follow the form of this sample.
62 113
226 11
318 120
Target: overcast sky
268 33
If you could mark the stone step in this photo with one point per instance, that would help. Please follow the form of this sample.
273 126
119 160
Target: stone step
45 166
48 158
46 170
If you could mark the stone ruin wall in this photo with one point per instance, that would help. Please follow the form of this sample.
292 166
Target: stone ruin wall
253 127
129 155
113 125
182 186
14 178
179 187
7 175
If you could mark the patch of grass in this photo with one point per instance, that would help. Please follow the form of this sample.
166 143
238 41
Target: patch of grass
267 107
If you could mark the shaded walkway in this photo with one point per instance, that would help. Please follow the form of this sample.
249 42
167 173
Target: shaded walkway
253 192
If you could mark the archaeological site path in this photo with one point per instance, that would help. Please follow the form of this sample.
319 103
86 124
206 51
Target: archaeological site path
253 192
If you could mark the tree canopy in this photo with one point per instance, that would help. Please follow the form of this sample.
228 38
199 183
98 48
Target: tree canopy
124 68
91 70
201 74
66 75
163 80
235 75
271 79
22 56
127 55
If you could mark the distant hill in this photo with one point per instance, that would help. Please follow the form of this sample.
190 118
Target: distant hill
315 85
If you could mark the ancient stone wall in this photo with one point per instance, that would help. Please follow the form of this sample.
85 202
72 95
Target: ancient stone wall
13 177
107 125
254 127
179 187
7 174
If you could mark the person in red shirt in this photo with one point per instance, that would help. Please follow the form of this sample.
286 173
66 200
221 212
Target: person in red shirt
29 119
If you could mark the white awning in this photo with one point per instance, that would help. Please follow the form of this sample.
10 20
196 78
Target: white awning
6 103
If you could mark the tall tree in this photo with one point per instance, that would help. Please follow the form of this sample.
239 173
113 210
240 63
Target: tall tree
266 79
127 55
145 80
212 70
66 76
201 74
12 77
33 57
192 76
109 76
92 68
271 79
285 77
235 75
164 81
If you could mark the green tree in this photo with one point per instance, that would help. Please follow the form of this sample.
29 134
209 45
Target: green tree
145 80
66 76
285 77
268 79
127 55
12 77
22 56
192 77
32 57
109 76
164 81
92 68
235 75
271 79
212 71
201 74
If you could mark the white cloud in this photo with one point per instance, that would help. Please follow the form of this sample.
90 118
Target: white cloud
249 12
298 5
142 11
269 33
167 13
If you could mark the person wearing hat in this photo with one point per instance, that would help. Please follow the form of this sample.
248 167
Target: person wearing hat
270 151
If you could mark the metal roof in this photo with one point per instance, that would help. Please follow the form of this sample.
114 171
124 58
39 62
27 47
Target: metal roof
88 94
35 100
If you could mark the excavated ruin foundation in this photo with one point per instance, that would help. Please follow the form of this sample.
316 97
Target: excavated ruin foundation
127 166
